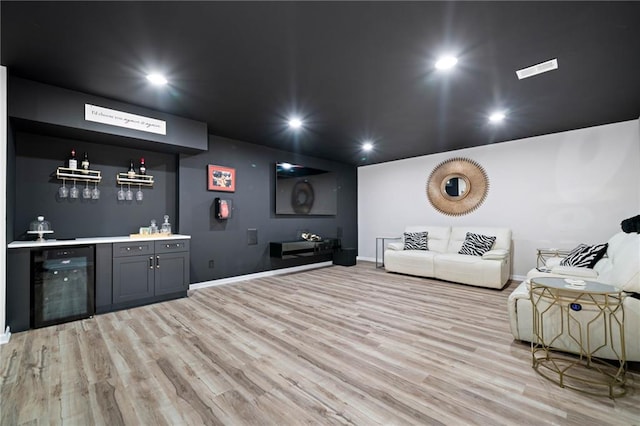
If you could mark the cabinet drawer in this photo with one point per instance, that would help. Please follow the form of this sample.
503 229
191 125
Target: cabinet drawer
132 249
171 246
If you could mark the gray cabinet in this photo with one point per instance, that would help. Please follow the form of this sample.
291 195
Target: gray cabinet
148 270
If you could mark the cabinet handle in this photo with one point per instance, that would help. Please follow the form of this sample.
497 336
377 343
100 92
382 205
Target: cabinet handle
157 262
139 247
128 248
150 262
168 246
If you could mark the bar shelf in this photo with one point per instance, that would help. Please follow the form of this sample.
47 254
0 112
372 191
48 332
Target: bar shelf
144 180
81 175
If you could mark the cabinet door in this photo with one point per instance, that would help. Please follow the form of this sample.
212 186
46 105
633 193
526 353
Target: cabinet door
18 289
104 282
132 278
172 273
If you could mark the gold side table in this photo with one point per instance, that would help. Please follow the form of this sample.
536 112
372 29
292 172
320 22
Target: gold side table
578 335
545 254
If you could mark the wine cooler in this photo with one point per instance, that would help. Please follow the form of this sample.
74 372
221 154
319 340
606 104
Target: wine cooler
62 285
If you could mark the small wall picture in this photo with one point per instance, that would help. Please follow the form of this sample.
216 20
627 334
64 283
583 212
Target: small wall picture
220 178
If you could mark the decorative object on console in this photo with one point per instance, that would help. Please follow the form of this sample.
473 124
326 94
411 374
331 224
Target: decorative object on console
476 244
631 225
222 208
310 237
457 186
416 241
585 256
220 178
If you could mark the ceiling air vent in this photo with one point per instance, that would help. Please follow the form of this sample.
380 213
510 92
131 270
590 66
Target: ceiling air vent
537 69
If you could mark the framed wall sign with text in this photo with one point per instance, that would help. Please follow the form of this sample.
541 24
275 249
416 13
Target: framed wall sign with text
220 178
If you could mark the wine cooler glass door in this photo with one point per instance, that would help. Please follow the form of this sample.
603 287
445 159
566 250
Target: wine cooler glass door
62 283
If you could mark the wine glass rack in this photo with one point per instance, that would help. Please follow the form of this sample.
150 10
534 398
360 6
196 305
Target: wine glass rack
144 180
80 175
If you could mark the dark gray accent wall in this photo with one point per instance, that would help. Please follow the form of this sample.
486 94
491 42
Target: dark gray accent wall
53 106
220 248
11 180
36 160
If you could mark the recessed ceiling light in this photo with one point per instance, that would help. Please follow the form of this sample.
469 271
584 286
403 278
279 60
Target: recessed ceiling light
286 166
446 62
497 117
367 146
295 123
157 79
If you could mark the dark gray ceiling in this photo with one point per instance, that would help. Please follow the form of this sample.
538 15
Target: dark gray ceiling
353 70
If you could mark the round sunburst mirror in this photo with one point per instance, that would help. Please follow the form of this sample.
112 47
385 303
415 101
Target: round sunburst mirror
457 186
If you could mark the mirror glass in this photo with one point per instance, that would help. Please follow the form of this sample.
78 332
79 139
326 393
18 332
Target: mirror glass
455 187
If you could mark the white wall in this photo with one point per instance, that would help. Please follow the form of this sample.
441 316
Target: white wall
555 190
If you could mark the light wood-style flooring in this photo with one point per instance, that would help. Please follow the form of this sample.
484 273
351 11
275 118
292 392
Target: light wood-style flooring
337 345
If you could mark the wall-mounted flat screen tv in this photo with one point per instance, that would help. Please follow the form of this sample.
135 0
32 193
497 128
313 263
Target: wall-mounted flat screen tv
304 190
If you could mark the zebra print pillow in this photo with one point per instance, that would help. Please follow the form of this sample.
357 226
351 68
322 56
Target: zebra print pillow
585 256
476 244
415 241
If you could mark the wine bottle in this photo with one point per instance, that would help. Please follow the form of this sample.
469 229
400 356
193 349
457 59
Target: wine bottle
143 168
85 163
131 173
72 163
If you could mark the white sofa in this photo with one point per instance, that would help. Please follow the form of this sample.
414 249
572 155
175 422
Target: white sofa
443 262
620 268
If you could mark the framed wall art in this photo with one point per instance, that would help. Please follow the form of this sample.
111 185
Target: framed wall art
220 178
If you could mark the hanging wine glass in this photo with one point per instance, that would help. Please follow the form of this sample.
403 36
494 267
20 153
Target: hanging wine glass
121 194
86 192
129 193
74 192
139 194
63 191
95 192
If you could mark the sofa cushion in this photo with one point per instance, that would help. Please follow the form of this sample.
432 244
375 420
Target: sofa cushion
459 234
574 271
395 246
412 262
621 267
496 254
476 244
438 236
585 256
416 241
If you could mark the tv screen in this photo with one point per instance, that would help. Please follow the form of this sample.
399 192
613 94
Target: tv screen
304 190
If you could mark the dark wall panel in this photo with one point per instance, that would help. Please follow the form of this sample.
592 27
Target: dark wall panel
11 181
49 105
220 248
36 160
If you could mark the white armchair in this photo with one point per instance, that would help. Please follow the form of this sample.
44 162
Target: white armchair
620 268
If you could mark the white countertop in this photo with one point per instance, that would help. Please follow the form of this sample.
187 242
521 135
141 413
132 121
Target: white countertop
93 240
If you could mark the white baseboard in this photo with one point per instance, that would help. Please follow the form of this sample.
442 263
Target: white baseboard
4 338
239 278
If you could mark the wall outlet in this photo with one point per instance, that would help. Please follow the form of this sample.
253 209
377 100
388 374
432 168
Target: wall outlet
252 236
